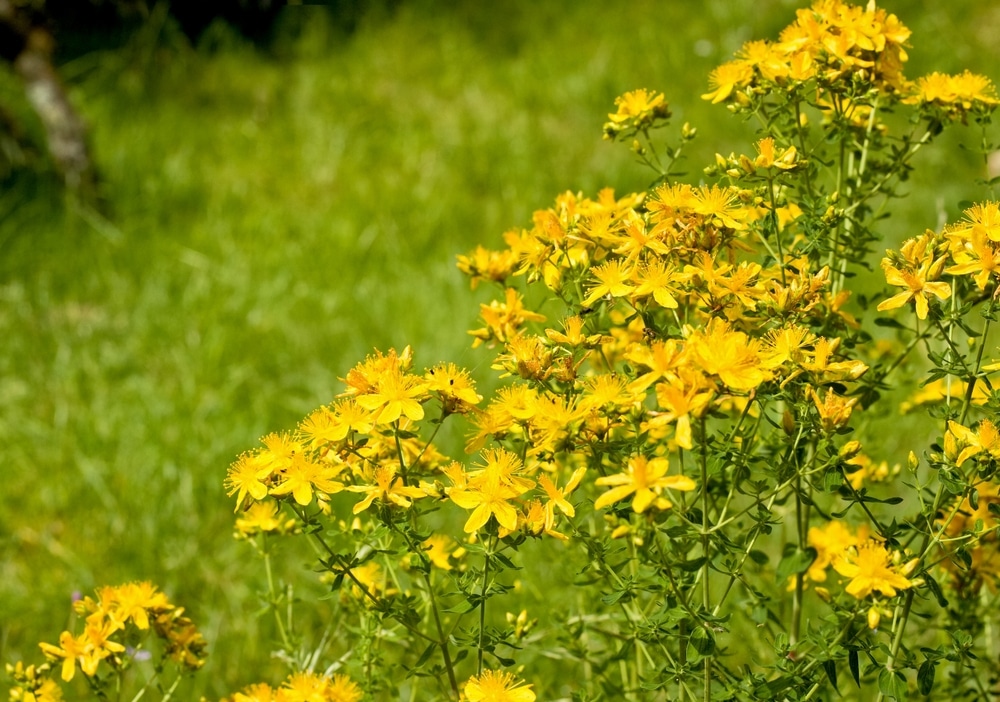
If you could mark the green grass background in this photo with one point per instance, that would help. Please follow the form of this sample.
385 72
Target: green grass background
275 215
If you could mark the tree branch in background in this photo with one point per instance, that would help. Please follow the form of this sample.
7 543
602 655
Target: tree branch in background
65 132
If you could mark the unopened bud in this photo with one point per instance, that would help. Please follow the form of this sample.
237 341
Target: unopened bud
788 422
874 617
850 450
621 531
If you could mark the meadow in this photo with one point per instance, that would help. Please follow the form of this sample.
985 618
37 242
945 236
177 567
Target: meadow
271 216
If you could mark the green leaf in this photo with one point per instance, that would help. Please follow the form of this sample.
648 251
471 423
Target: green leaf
855 666
933 586
506 561
891 683
925 676
798 561
761 558
613 597
830 668
691 566
425 656
888 322
703 641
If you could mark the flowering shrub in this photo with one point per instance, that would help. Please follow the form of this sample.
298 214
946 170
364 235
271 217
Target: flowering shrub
686 429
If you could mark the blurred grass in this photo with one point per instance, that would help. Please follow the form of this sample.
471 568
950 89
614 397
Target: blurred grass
273 217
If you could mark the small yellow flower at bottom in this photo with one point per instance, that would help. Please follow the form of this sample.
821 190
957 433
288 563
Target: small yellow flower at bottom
497 686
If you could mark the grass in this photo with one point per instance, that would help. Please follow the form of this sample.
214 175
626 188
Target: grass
272 217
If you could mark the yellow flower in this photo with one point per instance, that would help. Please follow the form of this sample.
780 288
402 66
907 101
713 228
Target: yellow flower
682 398
831 542
262 517
504 319
440 549
497 686
527 356
71 650
246 477
454 386
768 156
572 334
488 492
720 205
871 569
303 477
985 438
310 687
32 684
396 394
483 264
260 692
387 488
365 376
557 496
349 416
726 78
917 272
636 104
977 255
656 279
731 355
613 281
133 601
983 215
834 410
646 479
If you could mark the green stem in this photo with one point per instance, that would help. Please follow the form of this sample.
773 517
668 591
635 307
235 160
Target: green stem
443 639
273 600
487 556
706 540
793 636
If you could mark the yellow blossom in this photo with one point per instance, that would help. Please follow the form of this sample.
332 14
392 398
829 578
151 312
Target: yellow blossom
726 78
871 569
303 477
387 487
645 478
497 686
834 410
917 272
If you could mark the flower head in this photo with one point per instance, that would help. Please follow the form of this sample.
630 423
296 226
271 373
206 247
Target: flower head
644 479
497 686
872 568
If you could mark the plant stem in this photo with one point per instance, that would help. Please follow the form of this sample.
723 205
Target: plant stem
706 541
482 607
443 639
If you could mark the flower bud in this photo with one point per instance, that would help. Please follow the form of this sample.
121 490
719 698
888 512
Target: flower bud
850 450
788 422
874 617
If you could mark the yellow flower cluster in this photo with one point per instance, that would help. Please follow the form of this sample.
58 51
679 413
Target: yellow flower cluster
829 42
972 245
118 615
32 684
673 323
303 687
350 445
846 52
